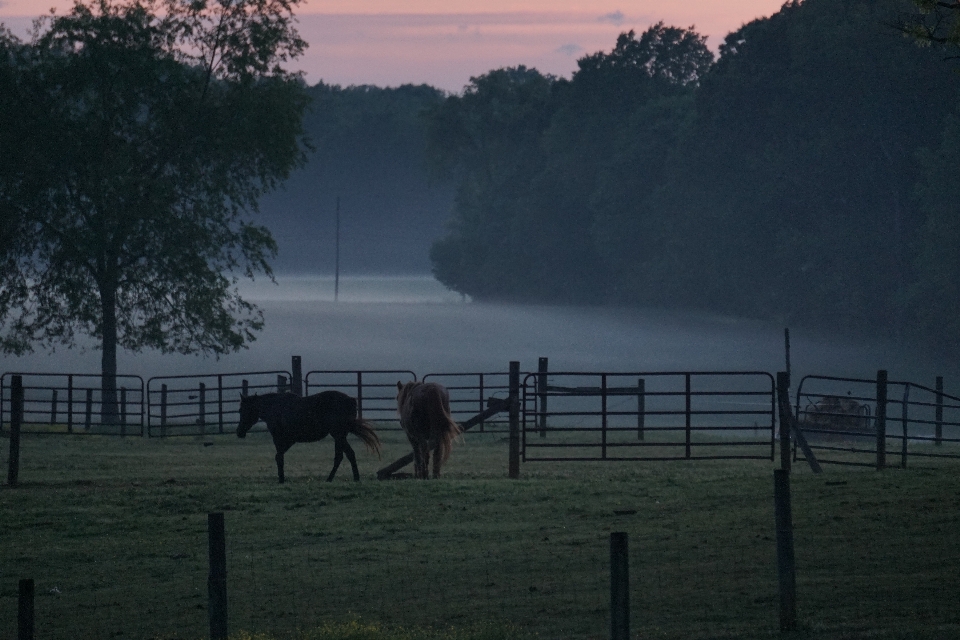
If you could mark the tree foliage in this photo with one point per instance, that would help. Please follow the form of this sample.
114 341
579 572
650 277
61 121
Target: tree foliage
151 130
779 182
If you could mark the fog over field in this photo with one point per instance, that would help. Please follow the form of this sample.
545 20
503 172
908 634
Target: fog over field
415 323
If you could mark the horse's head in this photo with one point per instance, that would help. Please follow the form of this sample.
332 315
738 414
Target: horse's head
249 414
403 392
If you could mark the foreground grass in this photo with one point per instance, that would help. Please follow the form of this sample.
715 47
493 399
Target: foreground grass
114 533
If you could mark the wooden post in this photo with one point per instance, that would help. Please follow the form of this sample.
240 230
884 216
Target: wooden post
783 404
482 407
296 383
281 383
53 408
220 402
514 463
542 368
619 587
359 395
217 578
16 418
641 407
938 427
203 408
244 387
786 347
881 419
88 415
163 410
786 569
603 416
123 411
903 422
688 417
25 610
70 403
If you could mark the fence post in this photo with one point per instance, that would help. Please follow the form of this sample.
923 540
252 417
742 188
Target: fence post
88 414
70 403
641 407
603 416
482 402
783 404
203 408
217 579
619 587
786 569
938 433
163 410
542 368
53 409
903 420
123 411
25 610
220 402
281 383
244 387
514 464
16 418
688 416
296 382
360 395
881 419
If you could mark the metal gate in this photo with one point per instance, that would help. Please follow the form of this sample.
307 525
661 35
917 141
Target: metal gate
57 403
648 415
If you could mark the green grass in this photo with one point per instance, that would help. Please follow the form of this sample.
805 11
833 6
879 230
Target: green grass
114 533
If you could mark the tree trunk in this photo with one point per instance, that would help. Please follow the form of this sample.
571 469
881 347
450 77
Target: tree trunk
108 362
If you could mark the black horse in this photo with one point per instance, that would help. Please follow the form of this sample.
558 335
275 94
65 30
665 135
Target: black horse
291 418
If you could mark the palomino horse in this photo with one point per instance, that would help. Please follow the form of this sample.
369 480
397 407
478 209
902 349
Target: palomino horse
424 409
291 419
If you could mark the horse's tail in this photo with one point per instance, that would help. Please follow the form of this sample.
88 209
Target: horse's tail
447 428
364 430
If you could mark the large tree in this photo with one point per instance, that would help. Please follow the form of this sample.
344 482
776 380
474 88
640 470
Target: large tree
137 140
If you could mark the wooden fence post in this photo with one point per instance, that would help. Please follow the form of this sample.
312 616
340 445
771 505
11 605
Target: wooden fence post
603 416
360 395
220 402
783 405
88 415
70 403
689 429
514 464
202 400
25 610
619 587
296 383
217 579
881 419
641 407
16 418
904 420
938 428
542 371
786 569
53 409
123 411
163 410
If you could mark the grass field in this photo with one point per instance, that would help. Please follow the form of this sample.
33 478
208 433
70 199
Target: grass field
113 531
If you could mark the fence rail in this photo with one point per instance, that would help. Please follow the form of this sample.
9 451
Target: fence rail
374 389
74 403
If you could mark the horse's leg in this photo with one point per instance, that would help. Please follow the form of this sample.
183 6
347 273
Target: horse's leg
337 457
352 457
282 448
419 464
436 461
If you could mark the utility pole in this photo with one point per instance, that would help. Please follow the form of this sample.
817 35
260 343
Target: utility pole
336 277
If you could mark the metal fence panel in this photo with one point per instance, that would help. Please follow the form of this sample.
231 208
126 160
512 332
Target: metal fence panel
375 390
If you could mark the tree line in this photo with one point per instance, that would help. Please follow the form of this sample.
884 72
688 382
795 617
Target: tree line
806 174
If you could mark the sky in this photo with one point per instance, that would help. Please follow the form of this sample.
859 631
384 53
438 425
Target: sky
446 42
